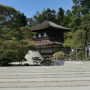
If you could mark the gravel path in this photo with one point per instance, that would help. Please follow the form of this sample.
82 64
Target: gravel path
67 77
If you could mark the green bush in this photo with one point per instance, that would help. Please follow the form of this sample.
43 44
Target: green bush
88 57
59 55
80 54
46 62
5 61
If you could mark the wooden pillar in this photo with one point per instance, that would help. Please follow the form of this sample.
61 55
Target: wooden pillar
76 53
67 50
46 48
52 48
60 47
40 49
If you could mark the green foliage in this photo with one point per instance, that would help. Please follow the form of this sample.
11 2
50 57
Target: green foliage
75 40
48 14
66 21
68 39
13 38
80 24
83 5
46 62
75 18
4 61
51 15
88 41
78 39
85 24
60 16
59 54
80 54
88 57
31 22
22 19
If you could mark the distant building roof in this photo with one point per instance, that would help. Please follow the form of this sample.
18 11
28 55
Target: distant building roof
47 24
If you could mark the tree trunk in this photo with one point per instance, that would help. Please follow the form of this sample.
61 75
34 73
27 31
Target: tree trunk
86 53
76 53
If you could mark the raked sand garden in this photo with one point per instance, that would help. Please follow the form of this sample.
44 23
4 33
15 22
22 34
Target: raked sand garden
74 75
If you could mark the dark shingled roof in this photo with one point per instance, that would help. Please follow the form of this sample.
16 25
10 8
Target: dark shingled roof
47 24
39 43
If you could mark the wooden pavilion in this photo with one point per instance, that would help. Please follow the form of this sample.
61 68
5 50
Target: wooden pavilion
50 38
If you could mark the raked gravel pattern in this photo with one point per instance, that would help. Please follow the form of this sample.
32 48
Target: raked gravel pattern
45 76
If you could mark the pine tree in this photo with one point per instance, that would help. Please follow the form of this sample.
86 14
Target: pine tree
46 15
60 16
13 43
80 24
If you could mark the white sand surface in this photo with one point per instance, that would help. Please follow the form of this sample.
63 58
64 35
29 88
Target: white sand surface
66 77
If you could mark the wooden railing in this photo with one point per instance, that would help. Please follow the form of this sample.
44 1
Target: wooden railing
40 38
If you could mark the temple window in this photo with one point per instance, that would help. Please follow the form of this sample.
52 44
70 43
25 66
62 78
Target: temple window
39 35
45 34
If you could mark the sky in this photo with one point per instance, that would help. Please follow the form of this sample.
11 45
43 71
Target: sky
29 7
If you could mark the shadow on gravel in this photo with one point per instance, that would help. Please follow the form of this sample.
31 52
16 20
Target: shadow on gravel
58 63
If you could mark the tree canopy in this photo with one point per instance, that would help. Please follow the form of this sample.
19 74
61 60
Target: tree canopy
13 43
59 17
80 25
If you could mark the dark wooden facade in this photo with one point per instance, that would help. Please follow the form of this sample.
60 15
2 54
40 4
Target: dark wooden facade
50 49
50 39
52 34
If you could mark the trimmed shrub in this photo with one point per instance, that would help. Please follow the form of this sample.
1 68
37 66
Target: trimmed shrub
80 54
59 55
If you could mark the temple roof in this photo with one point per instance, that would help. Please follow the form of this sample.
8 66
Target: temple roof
47 24
39 43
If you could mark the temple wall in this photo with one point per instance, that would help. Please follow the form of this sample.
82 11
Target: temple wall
55 48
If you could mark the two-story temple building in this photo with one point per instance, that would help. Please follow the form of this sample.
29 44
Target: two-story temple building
50 38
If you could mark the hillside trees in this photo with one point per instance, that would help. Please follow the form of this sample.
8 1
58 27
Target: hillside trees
80 25
59 17
13 43
31 22
66 19
22 19
46 15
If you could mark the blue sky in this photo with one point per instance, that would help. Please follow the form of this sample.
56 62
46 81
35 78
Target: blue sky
29 7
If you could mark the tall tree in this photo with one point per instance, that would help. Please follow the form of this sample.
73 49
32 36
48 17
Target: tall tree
80 23
81 7
46 15
76 18
85 25
66 19
13 43
31 22
60 16
22 19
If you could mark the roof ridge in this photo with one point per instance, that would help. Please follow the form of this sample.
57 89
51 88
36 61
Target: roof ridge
56 25
46 24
